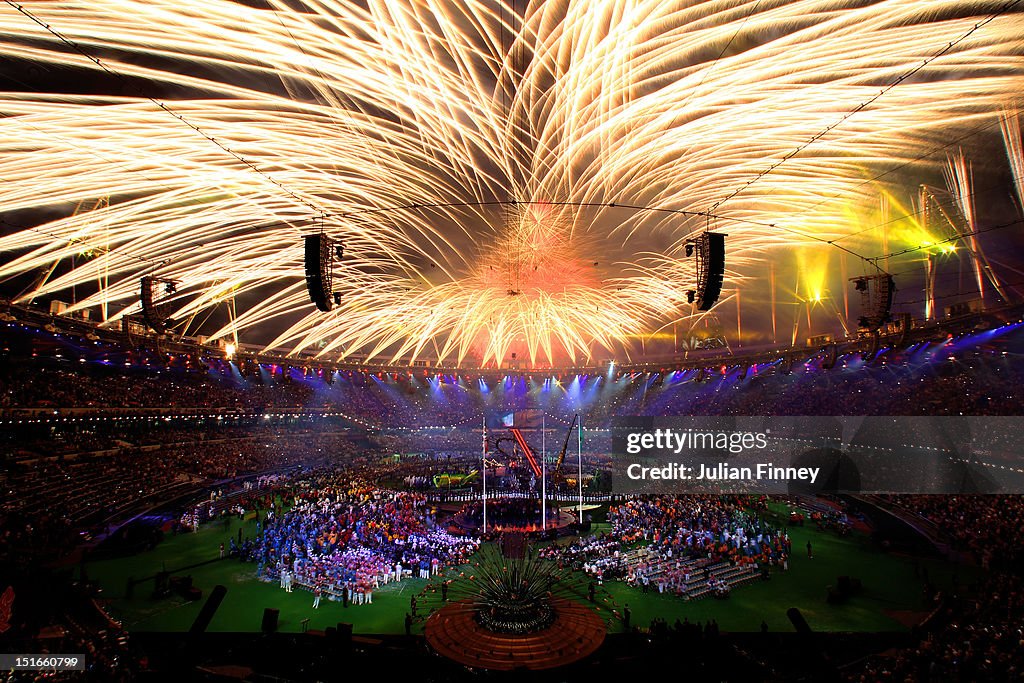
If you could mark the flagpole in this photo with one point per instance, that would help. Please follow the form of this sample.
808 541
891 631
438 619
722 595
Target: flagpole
483 463
579 479
544 473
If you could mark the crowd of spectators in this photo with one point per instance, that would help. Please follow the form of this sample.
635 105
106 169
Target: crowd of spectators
668 543
77 627
976 636
990 529
722 526
599 554
48 501
971 375
346 536
975 633
715 528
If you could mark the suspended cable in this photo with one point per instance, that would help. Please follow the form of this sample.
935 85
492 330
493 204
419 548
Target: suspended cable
864 105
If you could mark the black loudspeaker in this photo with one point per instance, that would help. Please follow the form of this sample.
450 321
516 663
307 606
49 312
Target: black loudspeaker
816 665
148 309
715 270
269 620
848 585
887 293
206 614
318 271
798 621
155 312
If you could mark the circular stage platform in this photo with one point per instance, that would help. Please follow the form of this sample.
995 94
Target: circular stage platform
576 633
558 524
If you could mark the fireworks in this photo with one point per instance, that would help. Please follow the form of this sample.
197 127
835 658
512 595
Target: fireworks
209 137
1009 122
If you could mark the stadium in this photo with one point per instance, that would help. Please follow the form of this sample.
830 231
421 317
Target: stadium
483 341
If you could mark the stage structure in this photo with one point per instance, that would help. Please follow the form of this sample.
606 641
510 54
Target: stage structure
709 250
520 440
514 610
539 471
876 293
156 294
558 476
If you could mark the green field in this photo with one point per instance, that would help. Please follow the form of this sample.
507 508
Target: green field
889 586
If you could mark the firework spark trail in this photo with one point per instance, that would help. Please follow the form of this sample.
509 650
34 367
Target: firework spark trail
921 207
929 287
1009 123
960 180
398 104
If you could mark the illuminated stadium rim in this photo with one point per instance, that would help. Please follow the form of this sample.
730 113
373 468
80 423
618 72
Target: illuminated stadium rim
938 331
1009 315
